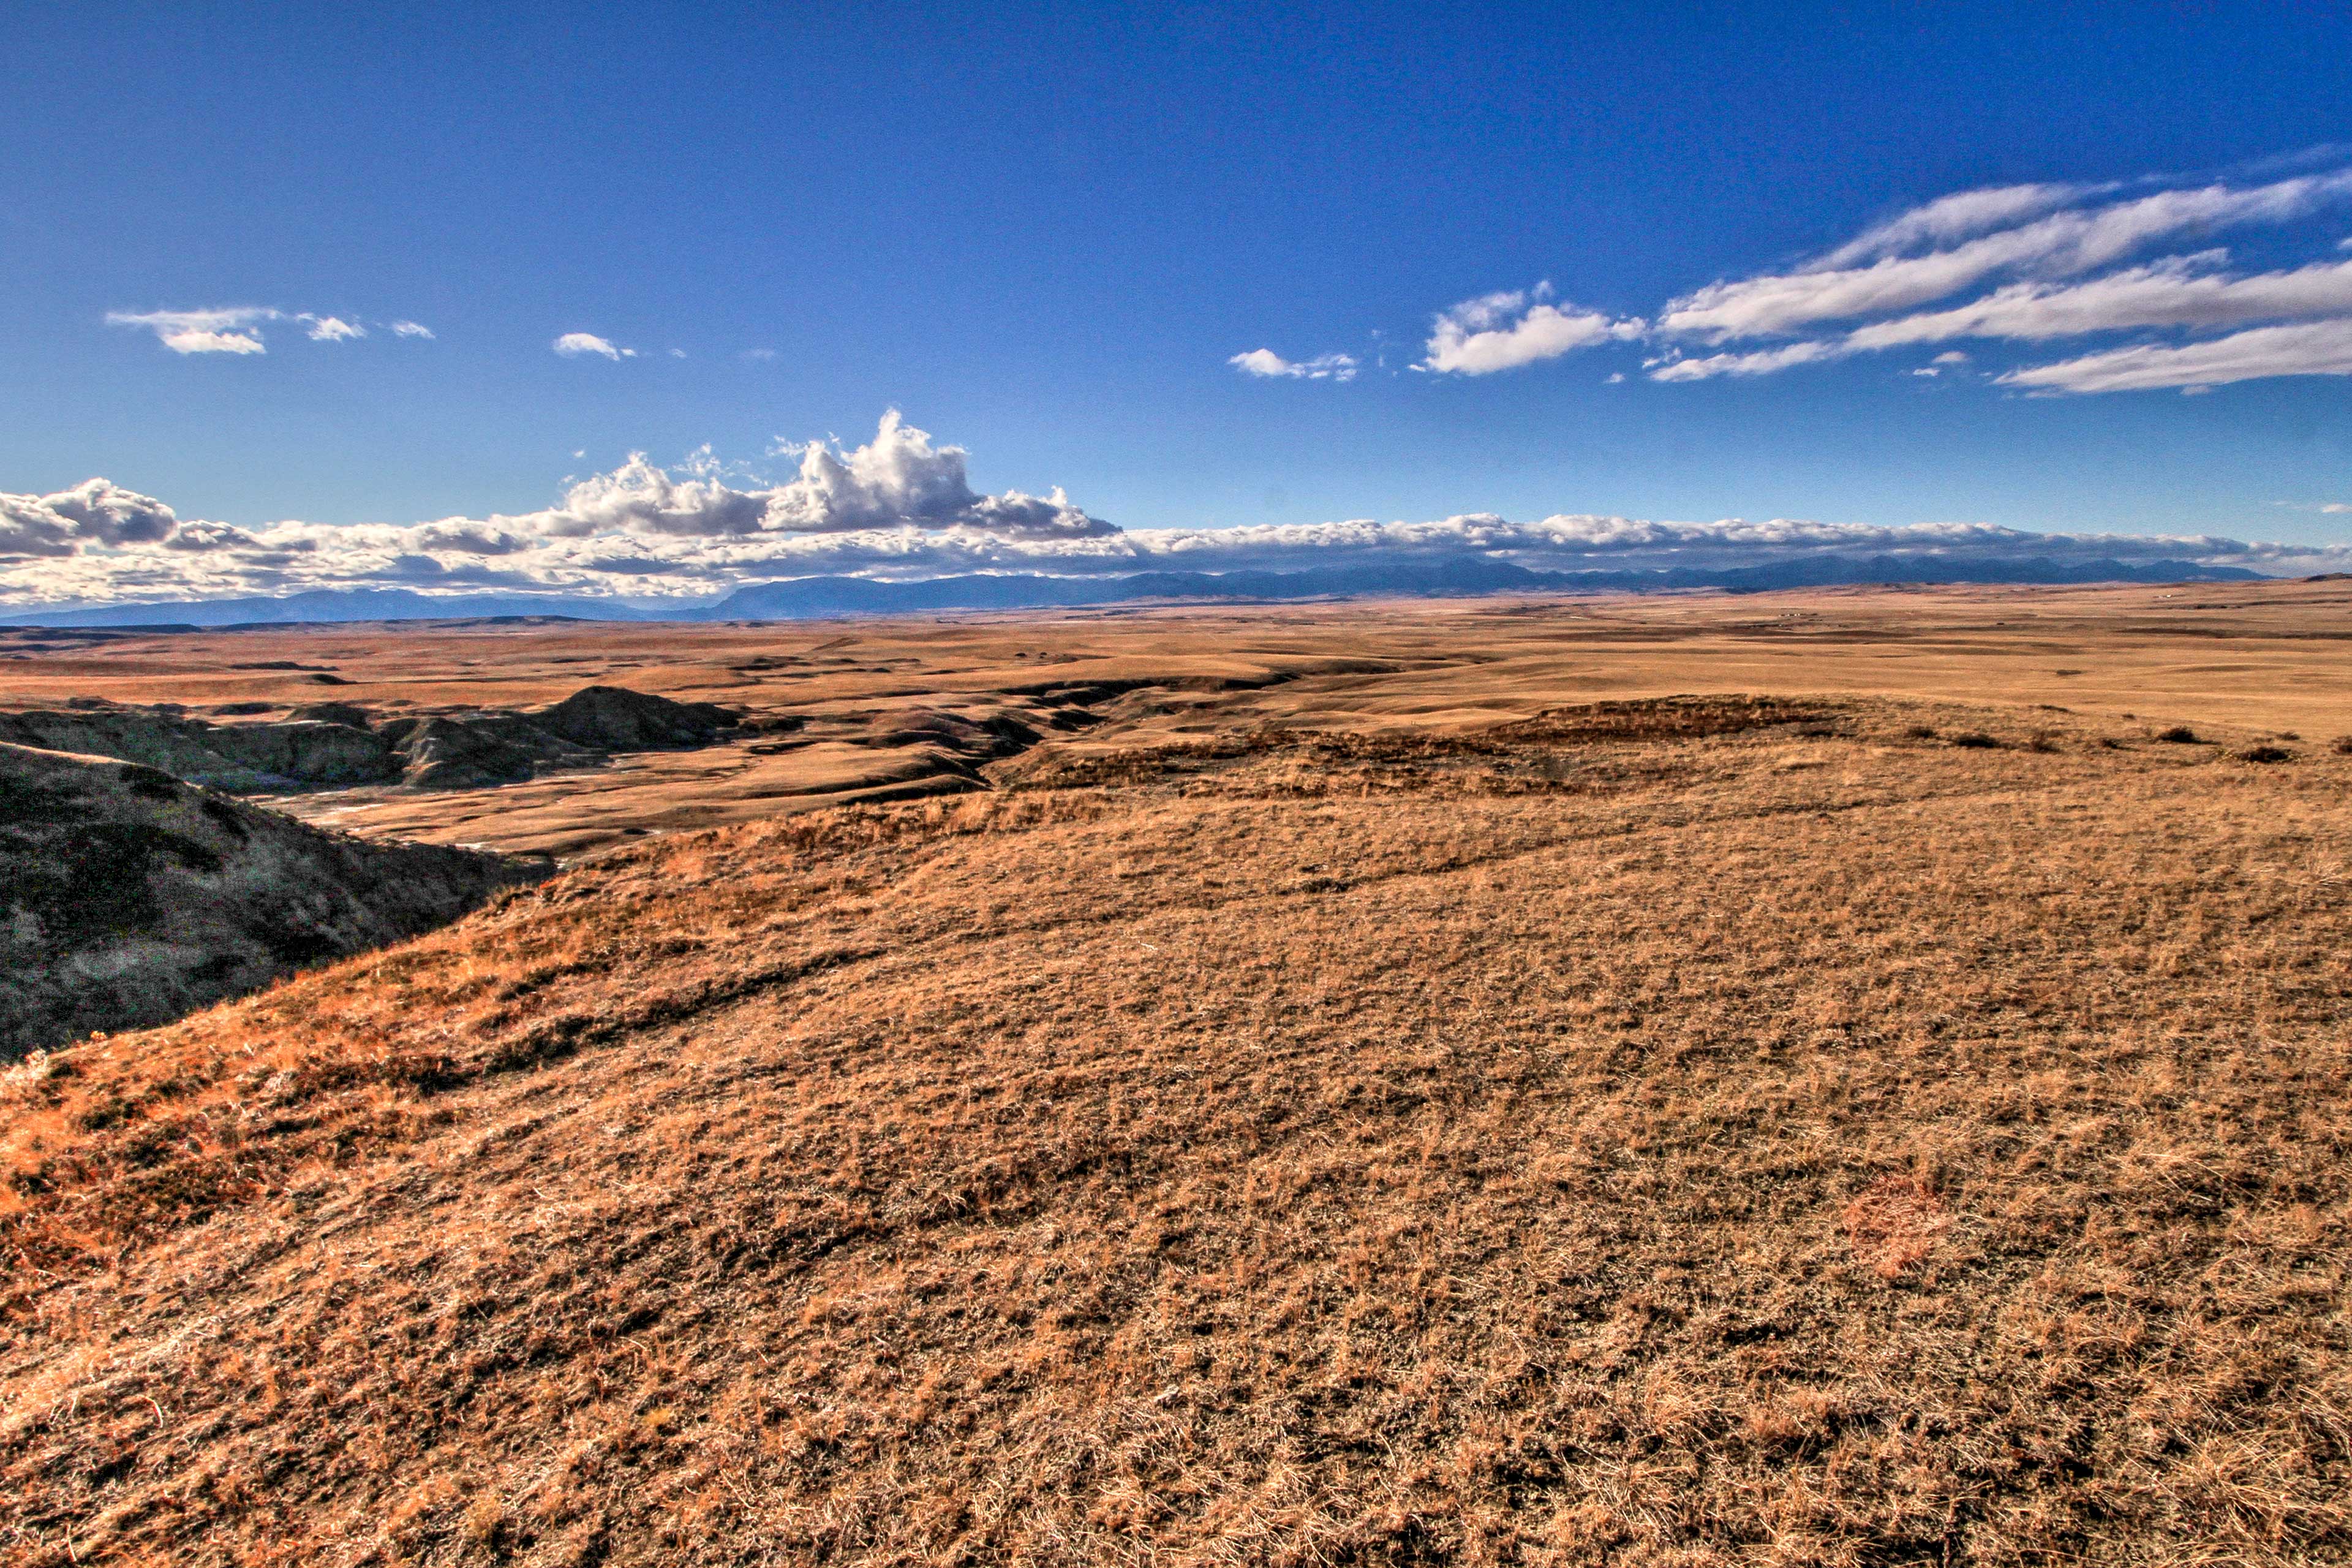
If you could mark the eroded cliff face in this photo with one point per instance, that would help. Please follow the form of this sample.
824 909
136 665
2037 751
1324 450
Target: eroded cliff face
330 745
128 898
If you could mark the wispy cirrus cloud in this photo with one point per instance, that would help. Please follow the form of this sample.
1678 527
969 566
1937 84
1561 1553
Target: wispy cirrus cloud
2177 291
2056 244
1962 216
2024 265
1761 361
2310 348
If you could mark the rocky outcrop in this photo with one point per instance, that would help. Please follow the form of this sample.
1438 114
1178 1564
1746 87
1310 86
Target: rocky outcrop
128 898
166 741
614 719
489 749
333 744
309 750
342 714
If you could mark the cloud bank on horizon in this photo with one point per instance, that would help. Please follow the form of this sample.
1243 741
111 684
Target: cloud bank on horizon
900 507
2025 267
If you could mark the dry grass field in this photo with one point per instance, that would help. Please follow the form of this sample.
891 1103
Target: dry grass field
888 710
1795 1079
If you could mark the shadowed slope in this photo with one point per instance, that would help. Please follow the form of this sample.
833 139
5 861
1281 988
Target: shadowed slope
131 898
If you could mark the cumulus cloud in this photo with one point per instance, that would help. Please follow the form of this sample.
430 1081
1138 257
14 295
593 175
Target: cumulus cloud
104 511
572 345
1322 367
237 329
897 506
221 331
898 479
901 506
899 503
94 512
1512 328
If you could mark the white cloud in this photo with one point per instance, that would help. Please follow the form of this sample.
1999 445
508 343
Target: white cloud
237 329
900 479
901 506
198 341
95 512
2177 291
1947 218
1322 367
1516 327
638 497
2018 264
104 511
1761 362
572 345
220 332
898 503
2310 348
2059 244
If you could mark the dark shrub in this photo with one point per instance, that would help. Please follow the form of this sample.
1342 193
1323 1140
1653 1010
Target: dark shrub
1976 740
2182 735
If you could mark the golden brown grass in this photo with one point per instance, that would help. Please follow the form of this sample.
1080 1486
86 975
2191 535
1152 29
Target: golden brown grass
1703 1131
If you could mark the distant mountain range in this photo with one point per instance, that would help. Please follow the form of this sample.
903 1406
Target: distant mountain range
814 599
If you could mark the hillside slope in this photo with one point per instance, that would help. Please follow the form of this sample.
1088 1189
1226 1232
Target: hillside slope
131 898
1816 1131
338 743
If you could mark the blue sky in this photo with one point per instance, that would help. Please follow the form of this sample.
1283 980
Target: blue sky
1044 233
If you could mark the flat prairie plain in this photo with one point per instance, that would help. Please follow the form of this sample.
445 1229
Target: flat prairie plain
1853 1077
